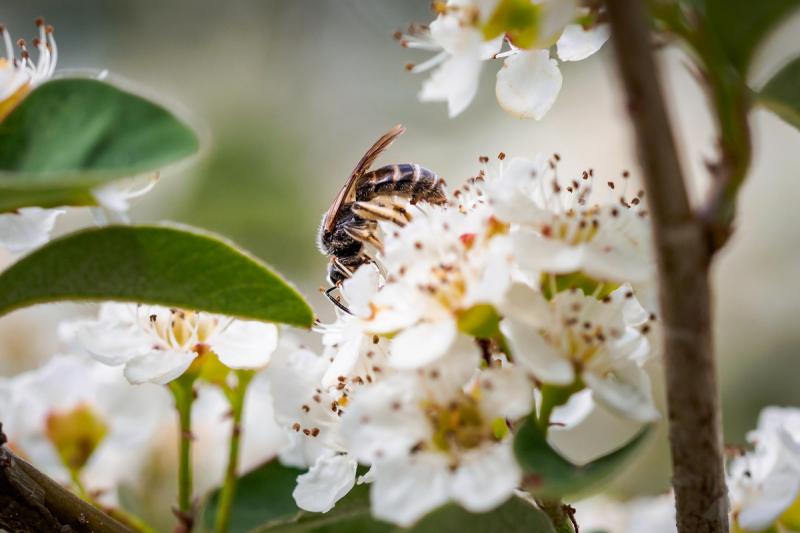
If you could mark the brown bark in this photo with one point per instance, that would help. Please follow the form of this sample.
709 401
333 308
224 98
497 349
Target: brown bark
32 502
683 256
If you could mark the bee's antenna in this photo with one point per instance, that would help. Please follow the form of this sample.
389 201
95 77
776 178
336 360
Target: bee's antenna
335 301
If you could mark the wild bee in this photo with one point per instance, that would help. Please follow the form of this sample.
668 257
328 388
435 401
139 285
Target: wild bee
367 197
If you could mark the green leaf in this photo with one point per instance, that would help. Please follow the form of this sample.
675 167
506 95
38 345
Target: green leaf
550 475
70 135
262 495
781 94
740 26
156 265
352 514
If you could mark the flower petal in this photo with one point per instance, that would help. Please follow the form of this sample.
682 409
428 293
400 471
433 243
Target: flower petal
406 489
325 483
245 344
158 366
533 353
505 393
577 43
486 477
27 228
627 393
528 84
422 344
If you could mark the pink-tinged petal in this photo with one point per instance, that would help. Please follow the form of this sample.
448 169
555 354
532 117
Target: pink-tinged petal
246 344
158 366
325 483
577 43
528 84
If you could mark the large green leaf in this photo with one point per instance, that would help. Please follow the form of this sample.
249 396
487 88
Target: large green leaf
262 495
178 267
70 135
781 94
352 514
550 475
740 26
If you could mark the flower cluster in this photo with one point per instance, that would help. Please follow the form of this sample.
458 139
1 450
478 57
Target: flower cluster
521 32
764 482
522 286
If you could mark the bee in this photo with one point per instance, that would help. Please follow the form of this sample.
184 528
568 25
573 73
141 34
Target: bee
369 196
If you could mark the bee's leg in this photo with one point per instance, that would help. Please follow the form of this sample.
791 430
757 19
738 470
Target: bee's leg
371 211
365 235
335 301
400 208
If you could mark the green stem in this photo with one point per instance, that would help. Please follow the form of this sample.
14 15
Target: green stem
236 397
183 392
559 515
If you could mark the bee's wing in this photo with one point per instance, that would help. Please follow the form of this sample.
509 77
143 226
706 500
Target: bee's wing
380 145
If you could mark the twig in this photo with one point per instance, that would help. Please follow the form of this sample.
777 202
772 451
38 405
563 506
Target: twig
32 502
683 257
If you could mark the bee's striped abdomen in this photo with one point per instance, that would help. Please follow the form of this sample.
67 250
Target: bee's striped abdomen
408 180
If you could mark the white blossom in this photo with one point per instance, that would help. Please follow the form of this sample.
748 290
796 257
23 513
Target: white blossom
439 435
72 400
765 482
310 413
529 81
158 345
440 266
558 229
575 336
19 75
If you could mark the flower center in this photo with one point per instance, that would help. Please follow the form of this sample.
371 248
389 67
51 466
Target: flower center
459 425
182 330
75 434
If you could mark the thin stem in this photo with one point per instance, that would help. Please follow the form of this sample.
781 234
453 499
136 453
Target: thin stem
683 257
183 392
236 397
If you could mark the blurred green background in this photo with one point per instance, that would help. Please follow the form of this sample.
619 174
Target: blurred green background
288 95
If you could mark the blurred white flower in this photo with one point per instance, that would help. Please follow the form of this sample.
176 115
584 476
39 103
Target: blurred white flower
468 32
18 75
439 435
76 418
26 228
158 345
655 514
574 336
765 482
